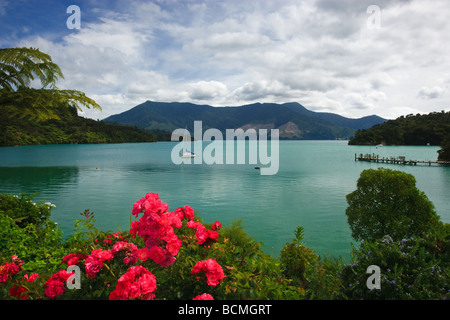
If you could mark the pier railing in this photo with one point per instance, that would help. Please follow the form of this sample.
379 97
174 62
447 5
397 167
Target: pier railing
397 160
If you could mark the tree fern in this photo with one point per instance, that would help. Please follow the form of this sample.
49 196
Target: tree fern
20 66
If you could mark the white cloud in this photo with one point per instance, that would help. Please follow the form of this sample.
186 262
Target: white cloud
207 90
110 35
318 53
430 93
230 41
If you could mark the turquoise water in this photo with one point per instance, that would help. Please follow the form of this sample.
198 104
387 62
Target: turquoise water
309 189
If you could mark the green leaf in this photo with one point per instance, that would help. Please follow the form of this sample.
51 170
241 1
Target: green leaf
20 66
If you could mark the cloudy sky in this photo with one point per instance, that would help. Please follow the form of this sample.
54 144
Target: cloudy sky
351 57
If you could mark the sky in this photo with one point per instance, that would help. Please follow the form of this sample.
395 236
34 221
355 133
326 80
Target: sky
351 57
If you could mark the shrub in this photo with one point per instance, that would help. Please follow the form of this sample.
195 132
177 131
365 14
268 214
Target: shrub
388 202
165 255
24 211
27 231
295 258
314 278
412 268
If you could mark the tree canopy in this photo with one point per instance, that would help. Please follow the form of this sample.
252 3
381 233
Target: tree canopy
444 153
387 202
407 130
19 67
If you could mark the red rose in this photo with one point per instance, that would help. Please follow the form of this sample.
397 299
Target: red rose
179 212
216 225
104 255
32 277
54 288
213 235
92 268
16 291
205 296
161 256
136 283
147 283
188 212
173 246
143 254
212 269
72 258
201 234
156 254
137 207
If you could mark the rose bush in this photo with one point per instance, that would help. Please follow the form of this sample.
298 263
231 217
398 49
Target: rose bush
175 255
136 283
213 271
104 258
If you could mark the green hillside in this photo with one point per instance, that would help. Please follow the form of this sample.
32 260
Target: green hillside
420 130
407 130
70 129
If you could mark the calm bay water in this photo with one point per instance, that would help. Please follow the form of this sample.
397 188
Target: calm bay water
309 189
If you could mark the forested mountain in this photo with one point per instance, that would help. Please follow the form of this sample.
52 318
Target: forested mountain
69 129
407 130
292 119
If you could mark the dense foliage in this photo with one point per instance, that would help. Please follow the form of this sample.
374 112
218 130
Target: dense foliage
27 231
165 255
444 153
70 129
417 129
400 233
411 268
388 202
18 68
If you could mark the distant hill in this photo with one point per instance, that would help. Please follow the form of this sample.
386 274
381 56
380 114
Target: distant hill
407 130
69 129
292 119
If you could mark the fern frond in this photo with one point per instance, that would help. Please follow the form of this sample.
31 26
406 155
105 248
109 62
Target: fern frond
20 66
42 104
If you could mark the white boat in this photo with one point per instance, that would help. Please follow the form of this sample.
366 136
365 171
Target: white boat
186 153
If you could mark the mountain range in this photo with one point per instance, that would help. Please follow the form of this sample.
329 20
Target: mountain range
292 119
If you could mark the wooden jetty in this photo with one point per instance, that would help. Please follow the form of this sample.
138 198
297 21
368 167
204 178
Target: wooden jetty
396 160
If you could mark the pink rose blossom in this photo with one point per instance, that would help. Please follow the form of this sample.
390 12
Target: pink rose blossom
204 296
212 269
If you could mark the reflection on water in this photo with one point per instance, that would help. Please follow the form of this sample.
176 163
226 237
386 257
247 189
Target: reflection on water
309 190
36 179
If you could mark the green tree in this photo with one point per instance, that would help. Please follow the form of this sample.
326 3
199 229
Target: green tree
18 68
444 153
407 130
387 202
